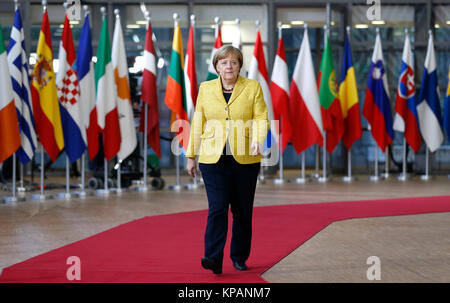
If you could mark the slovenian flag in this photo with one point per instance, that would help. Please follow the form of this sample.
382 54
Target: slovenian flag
46 110
68 95
377 107
406 118
307 128
85 70
18 67
106 104
9 126
258 71
428 105
348 96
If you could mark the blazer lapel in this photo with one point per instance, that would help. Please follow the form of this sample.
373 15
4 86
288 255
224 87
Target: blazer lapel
238 88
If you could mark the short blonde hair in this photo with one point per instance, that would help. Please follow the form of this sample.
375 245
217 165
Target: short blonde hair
226 50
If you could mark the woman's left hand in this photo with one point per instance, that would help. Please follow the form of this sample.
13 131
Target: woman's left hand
256 150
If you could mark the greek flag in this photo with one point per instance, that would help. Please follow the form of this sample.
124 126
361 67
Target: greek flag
18 66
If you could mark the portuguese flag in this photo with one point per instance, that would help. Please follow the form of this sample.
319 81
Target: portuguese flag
333 122
175 90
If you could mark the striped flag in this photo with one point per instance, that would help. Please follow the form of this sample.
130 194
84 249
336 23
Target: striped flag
307 128
149 94
406 119
258 71
377 107
9 126
18 67
68 94
279 91
175 98
348 96
190 75
106 104
447 107
428 104
333 122
126 118
85 70
212 74
46 110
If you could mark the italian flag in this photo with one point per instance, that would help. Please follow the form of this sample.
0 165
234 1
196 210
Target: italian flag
212 74
9 126
106 103
333 122
175 98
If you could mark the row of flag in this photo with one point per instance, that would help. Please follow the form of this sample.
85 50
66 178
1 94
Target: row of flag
68 111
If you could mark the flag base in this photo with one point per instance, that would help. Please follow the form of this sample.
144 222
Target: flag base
11 200
193 186
385 176
42 197
403 177
301 180
425 177
374 178
102 192
348 179
175 187
83 193
119 190
142 188
323 179
66 196
280 181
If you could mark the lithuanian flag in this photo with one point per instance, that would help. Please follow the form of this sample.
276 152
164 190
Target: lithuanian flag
46 110
175 91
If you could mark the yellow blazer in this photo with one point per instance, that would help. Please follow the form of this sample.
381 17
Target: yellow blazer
241 121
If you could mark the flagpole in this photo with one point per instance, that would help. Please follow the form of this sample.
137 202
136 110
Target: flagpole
177 185
376 177
303 178
105 190
386 164
41 196
324 177
426 177
14 198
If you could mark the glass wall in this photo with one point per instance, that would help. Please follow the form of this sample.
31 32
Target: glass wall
395 18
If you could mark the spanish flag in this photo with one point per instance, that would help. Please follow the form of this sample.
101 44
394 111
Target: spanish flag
175 90
46 110
348 96
9 126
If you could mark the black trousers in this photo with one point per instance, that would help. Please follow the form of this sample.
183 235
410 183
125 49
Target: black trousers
229 183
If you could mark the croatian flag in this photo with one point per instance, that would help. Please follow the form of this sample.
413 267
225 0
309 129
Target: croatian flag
68 95
406 118
18 67
258 71
377 107
428 107
85 70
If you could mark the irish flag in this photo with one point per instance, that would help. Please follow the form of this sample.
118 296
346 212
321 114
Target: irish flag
9 126
175 92
47 115
126 118
107 113
212 74
333 123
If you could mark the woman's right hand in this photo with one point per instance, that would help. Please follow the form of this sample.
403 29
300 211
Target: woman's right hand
191 167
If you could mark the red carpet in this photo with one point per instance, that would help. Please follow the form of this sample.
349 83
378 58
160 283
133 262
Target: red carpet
168 248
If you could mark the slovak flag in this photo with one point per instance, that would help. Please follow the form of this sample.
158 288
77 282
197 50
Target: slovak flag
258 71
428 105
377 107
68 91
406 118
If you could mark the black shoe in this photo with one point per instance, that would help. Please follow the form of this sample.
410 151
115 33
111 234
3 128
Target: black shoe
240 265
212 264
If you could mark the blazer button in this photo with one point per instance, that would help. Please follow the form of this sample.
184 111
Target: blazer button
226 108
226 118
